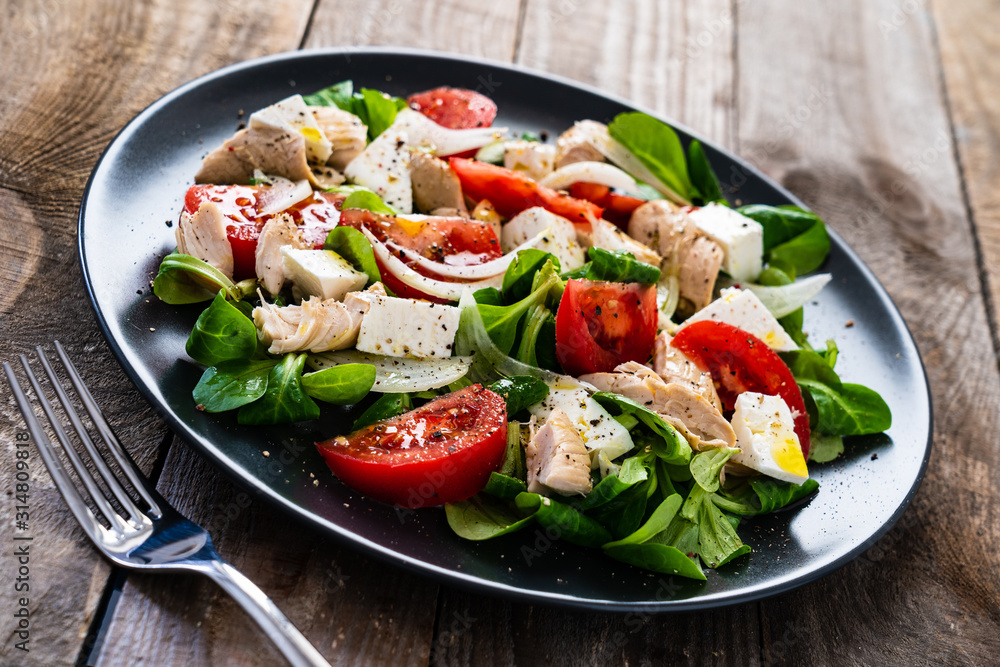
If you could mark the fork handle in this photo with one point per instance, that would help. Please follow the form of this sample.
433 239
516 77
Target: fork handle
292 643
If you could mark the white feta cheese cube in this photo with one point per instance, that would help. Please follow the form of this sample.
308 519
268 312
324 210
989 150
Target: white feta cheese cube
744 309
741 239
532 158
292 114
384 168
560 238
602 434
408 328
765 435
321 273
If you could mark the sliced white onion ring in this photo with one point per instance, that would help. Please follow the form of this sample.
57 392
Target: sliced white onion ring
489 360
436 288
495 267
282 194
597 134
396 375
784 300
424 132
601 173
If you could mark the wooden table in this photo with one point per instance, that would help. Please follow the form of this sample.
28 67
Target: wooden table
882 115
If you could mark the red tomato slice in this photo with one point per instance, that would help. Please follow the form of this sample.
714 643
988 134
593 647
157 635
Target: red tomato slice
739 362
617 208
600 325
456 241
457 108
316 215
442 452
512 192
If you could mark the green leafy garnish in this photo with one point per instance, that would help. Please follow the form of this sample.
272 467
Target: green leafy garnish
352 245
344 384
794 239
284 401
221 333
232 384
619 266
520 391
368 201
186 279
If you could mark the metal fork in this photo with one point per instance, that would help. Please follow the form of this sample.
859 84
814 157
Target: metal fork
157 539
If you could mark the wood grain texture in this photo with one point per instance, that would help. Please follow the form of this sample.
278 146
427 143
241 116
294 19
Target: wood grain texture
850 118
969 49
485 29
676 57
74 73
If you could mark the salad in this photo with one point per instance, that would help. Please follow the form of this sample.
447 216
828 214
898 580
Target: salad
582 335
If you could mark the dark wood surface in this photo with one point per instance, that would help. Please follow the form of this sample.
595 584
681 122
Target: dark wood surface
883 116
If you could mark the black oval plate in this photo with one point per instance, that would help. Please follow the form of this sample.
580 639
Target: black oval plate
137 189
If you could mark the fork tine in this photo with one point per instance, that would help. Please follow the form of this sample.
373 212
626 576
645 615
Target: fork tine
99 464
114 445
87 520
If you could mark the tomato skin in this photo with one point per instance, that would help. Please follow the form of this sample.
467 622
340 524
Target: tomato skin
441 452
617 208
512 192
461 241
739 362
455 108
316 216
601 324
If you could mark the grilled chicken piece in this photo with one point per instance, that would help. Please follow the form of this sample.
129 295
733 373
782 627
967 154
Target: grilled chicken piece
277 232
698 420
273 150
673 366
534 159
607 236
203 235
557 458
667 229
572 147
314 326
345 132
435 185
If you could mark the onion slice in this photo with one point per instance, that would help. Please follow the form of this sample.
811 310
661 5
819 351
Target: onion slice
784 300
601 173
424 132
597 134
495 267
436 288
489 362
396 375
282 194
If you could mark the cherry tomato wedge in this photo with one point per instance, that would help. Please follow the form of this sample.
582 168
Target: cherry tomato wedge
512 192
442 452
739 362
316 216
455 241
457 108
600 325
617 208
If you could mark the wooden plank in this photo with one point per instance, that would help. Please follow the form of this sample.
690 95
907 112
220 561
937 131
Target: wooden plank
74 74
355 610
968 54
485 29
850 117
676 58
